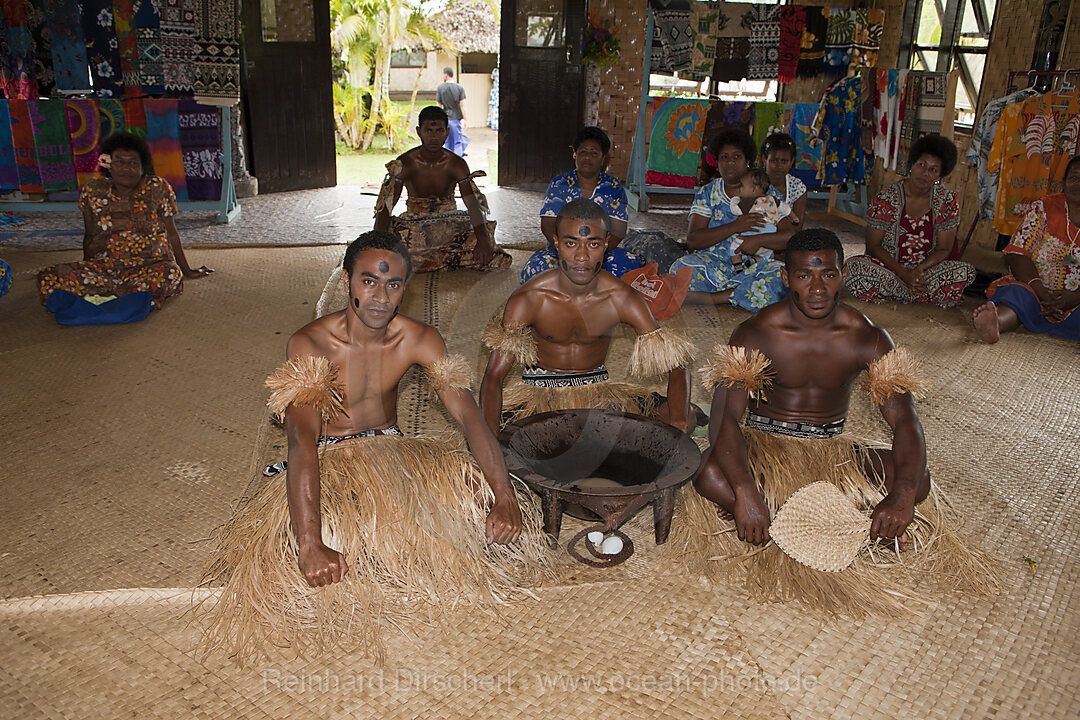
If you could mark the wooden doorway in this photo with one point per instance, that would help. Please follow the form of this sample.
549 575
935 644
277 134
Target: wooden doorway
288 102
541 86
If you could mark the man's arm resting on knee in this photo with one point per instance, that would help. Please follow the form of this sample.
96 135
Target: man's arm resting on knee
893 514
476 216
504 519
729 451
319 564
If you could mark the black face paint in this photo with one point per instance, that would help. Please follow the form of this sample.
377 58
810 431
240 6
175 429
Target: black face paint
564 265
356 303
383 266
815 261
584 231
596 268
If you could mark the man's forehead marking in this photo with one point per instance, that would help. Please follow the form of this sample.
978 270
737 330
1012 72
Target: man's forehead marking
815 261
584 231
384 266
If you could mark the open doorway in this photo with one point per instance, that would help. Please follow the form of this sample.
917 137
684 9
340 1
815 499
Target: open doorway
404 67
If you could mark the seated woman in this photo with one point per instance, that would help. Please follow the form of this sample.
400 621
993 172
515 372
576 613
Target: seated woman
587 179
715 229
910 231
778 157
1042 292
131 243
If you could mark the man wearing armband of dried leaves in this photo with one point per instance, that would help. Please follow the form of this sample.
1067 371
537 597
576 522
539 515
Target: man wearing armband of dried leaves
366 527
842 526
558 326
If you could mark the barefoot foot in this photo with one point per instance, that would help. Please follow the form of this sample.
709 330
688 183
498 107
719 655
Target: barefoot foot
986 323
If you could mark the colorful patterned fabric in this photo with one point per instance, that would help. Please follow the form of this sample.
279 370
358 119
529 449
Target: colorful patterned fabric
721 116
22 137
135 116
732 42
617 261
675 141
67 45
178 62
52 144
755 285
200 141
769 117
764 42
17 52
839 37
812 53
163 137
609 195
792 24
887 118
887 209
127 45
38 23
129 250
1034 141
84 128
909 242
148 38
845 160
102 47
5 278
982 140
794 189
867 279
704 22
111 117
1051 242
672 36
868 92
808 147
178 16
9 170
869 24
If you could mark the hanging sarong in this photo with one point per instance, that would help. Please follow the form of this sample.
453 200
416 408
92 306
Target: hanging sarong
148 39
51 144
84 127
22 137
812 53
9 171
792 24
764 42
200 142
102 52
163 137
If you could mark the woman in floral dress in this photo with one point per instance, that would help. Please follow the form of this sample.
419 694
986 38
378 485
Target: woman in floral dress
1042 292
714 228
910 234
131 243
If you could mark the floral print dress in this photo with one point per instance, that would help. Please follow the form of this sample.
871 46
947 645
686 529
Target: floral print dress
910 241
128 251
754 285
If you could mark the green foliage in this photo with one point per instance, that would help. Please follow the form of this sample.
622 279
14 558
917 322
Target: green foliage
365 33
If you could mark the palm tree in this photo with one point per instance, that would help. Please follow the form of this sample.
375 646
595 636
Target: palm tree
365 34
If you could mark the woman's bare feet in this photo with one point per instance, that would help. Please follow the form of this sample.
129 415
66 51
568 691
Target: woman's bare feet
986 323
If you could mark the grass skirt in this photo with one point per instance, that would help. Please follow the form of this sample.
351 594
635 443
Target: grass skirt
881 581
405 513
521 400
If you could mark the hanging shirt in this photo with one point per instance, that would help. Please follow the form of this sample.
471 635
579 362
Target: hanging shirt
1030 151
982 140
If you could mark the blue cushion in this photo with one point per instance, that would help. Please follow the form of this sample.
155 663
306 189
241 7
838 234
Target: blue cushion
70 309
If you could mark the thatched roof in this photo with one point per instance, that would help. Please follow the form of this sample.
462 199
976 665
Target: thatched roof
468 26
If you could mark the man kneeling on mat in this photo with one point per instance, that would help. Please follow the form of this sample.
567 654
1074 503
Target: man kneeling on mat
558 325
362 505
792 365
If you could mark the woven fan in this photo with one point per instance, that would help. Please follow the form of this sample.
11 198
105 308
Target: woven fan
821 528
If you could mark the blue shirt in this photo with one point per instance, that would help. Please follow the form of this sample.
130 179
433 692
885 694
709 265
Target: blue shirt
609 194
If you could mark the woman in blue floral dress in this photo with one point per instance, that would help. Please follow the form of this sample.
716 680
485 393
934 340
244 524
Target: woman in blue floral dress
587 179
714 228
